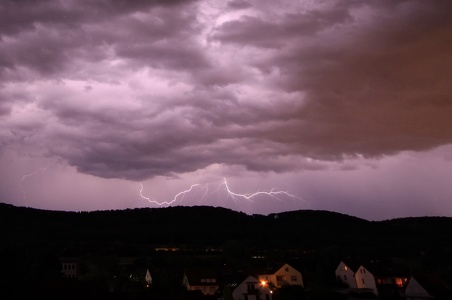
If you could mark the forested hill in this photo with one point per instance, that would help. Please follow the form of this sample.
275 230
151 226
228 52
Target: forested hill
201 226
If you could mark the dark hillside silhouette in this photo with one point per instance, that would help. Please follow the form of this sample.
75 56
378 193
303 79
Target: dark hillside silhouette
202 226
32 242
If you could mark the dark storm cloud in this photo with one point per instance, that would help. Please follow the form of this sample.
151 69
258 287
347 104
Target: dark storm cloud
20 15
171 91
239 4
271 33
47 37
165 140
381 92
379 87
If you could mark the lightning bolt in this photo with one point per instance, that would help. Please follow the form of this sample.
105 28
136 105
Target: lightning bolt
205 193
24 193
249 196
276 194
167 202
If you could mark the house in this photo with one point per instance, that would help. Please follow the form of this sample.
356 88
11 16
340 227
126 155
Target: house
252 289
378 277
428 286
383 278
345 273
365 279
285 275
203 279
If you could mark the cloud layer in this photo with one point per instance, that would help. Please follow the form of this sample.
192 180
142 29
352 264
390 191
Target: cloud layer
137 89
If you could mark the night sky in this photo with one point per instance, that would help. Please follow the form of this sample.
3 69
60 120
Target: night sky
111 104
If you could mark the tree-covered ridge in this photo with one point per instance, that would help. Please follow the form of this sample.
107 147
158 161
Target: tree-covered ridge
211 226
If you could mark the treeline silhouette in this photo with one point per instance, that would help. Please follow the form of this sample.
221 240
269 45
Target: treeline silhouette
201 226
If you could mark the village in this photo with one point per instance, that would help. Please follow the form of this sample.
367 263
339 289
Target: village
260 280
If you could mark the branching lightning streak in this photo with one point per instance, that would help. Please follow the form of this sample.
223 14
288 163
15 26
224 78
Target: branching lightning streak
166 202
24 193
276 194
205 193
249 196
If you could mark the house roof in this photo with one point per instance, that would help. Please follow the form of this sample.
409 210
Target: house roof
353 264
270 270
244 279
435 284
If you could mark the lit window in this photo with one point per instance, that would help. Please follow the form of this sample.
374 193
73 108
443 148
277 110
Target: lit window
346 268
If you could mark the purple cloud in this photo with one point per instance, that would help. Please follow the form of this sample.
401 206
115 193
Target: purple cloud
141 89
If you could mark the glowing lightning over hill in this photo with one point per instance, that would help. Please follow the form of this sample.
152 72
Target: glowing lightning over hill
276 194
166 202
273 193
24 193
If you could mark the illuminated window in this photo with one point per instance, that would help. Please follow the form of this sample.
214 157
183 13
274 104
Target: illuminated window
346 268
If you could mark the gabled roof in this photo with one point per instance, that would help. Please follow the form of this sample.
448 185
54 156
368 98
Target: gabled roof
244 279
435 284
352 264
273 269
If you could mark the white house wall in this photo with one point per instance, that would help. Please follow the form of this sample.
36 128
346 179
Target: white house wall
365 280
242 289
346 275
